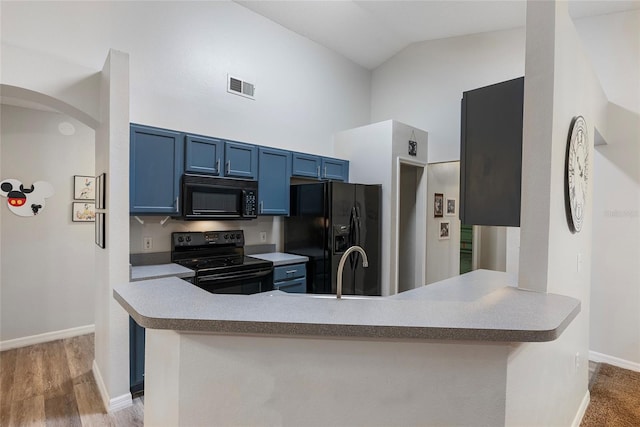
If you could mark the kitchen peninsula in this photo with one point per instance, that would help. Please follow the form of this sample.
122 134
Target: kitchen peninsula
283 359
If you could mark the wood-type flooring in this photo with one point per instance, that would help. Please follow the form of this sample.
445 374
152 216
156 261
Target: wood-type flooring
51 384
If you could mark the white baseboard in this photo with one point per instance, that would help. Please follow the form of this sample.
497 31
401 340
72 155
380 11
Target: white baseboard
581 410
46 337
110 404
615 361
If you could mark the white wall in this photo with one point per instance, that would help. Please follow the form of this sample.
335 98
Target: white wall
47 260
111 364
547 384
443 256
250 381
615 290
613 45
423 84
181 53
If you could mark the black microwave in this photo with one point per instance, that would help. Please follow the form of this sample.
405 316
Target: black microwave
207 197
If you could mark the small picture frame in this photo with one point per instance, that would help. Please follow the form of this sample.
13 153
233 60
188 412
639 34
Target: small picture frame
84 187
438 205
83 211
413 148
450 207
100 224
444 230
100 191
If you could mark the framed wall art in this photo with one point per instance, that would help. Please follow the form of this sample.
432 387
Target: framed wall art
450 207
100 224
438 205
83 211
444 230
100 191
84 187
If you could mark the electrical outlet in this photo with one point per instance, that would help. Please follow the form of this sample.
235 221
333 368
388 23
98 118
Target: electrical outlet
579 263
263 236
147 243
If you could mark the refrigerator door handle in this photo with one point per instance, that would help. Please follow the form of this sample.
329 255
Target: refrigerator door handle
358 231
353 237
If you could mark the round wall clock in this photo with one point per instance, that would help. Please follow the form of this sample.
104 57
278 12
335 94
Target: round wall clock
577 172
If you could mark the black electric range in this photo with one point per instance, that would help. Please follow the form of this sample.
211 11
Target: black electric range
219 261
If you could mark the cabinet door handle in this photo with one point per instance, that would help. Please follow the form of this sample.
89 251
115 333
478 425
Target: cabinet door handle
290 271
325 171
176 204
218 165
261 206
318 171
228 167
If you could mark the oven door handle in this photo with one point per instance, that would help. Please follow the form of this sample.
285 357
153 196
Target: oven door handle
234 276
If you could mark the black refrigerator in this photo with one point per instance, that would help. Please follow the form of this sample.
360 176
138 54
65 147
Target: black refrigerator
327 218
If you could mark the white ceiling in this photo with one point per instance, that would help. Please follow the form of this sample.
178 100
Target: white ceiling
370 32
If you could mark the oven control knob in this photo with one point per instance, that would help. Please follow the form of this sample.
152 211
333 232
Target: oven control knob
180 239
188 238
226 236
238 236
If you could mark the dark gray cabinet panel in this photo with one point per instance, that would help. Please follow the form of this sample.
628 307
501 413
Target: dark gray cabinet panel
491 154
136 356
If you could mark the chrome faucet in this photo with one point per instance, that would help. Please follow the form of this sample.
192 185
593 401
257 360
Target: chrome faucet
365 264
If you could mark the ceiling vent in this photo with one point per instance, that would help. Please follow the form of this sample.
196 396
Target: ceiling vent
240 87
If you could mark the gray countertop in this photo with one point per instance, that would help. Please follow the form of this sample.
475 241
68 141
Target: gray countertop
146 272
477 306
281 258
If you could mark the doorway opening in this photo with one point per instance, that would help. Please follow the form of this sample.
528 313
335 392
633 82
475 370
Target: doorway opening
411 255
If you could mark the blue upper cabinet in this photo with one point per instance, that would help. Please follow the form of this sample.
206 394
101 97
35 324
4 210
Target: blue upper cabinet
316 167
241 160
306 165
335 169
273 181
204 155
156 165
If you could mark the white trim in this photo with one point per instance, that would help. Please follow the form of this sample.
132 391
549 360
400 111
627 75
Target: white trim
121 402
615 361
46 337
115 404
100 383
581 410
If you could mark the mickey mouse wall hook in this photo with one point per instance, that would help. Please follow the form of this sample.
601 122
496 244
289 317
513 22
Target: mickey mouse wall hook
25 201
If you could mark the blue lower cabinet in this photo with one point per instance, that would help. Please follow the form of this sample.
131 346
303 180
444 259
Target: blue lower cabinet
274 177
296 286
290 278
136 356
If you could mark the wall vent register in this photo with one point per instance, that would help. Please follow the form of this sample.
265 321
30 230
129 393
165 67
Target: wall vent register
240 87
